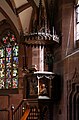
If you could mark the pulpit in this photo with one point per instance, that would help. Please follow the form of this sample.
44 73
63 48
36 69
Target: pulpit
39 85
41 89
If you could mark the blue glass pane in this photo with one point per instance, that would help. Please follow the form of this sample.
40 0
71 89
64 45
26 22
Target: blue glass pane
15 60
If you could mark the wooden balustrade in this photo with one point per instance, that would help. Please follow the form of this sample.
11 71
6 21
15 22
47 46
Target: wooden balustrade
39 109
24 117
22 108
24 111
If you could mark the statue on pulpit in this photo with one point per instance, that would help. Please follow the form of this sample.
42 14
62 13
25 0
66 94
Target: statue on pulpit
42 90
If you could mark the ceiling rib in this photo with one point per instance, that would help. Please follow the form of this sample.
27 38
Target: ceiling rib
23 7
32 3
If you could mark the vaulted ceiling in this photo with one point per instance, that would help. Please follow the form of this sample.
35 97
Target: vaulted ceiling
20 12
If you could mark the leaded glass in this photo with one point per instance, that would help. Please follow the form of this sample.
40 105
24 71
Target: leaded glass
9 62
2 52
8 73
15 82
1 83
15 51
8 51
15 72
2 63
8 83
1 73
15 60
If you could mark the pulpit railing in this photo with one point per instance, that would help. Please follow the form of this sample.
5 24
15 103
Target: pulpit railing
20 110
37 109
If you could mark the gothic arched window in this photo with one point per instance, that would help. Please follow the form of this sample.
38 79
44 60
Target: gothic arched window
8 61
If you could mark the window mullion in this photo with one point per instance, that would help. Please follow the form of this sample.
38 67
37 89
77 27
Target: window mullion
12 68
5 68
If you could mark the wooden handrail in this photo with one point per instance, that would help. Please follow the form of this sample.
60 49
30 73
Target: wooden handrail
19 105
22 108
24 117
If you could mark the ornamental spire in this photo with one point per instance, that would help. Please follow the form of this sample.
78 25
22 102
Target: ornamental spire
42 17
40 13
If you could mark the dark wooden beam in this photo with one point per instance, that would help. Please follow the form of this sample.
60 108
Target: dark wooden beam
10 4
23 7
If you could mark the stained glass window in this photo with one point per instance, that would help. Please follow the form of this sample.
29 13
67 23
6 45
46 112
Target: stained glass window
9 62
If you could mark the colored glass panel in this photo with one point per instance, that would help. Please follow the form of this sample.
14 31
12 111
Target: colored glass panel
8 52
8 59
9 62
15 51
9 38
1 83
15 82
8 73
8 83
2 73
4 40
2 52
2 63
15 60
15 72
8 65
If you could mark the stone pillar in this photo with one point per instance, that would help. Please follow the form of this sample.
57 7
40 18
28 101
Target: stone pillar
38 57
